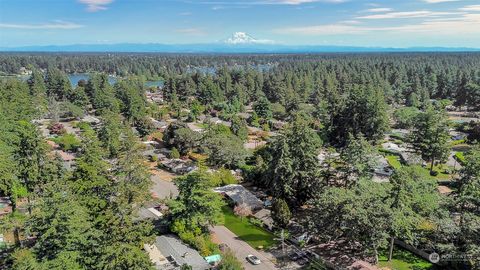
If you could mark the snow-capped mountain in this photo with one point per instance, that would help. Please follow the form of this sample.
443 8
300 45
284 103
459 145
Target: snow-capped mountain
244 38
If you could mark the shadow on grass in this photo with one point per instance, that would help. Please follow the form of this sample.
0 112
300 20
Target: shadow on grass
403 259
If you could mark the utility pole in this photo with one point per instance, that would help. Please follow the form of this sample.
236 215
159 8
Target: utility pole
282 238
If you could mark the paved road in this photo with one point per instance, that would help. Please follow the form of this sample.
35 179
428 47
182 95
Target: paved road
241 249
163 189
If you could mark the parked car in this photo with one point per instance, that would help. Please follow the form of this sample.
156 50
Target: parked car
253 259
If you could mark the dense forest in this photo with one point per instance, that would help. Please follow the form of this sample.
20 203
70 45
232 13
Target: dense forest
342 107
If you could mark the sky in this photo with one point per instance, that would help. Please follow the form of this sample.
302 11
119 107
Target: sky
369 23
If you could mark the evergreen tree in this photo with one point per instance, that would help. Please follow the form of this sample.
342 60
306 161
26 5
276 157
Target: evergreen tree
430 135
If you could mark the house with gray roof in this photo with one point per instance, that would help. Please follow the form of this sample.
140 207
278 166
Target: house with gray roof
173 253
240 195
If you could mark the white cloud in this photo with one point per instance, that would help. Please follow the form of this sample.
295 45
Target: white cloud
299 2
191 31
465 24
96 5
53 25
406 14
324 29
471 8
439 1
244 38
379 10
268 2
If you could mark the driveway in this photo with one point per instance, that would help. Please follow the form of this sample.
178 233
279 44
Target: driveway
241 249
163 189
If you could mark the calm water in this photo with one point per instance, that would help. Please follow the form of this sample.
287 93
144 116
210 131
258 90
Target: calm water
154 83
75 78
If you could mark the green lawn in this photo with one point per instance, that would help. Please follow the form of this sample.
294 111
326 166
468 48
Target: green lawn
252 234
460 157
404 260
440 169
394 161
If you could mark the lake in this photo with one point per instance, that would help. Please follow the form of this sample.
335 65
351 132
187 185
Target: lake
76 77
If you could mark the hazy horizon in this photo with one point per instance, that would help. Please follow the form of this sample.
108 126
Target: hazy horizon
362 23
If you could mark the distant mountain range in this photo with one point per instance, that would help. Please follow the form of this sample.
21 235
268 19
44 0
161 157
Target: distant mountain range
232 47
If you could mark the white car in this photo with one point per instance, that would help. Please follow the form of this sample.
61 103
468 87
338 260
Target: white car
253 259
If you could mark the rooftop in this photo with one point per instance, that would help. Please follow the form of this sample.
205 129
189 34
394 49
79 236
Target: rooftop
240 195
174 249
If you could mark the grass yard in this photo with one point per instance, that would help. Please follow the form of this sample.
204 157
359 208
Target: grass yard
394 161
404 260
460 157
440 169
250 233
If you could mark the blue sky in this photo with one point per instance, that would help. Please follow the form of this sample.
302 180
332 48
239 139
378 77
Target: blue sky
386 23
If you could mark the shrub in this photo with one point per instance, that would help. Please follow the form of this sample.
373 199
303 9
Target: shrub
281 212
68 142
174 153
157 136
83 126
230 262
57 129
144 126
223 177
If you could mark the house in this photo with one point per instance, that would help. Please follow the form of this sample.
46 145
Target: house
393 147
92 120
399 132
383 169
265 216
149 213
154 97
25 71
277 124
178 166
160 125
195 128
169 252
457 135
240 195
5 206
411 158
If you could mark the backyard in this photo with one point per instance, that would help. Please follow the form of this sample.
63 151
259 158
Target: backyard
394 161
252 234
404 260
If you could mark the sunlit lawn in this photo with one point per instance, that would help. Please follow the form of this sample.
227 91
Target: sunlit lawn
394 161
248 232
404 260
440 169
